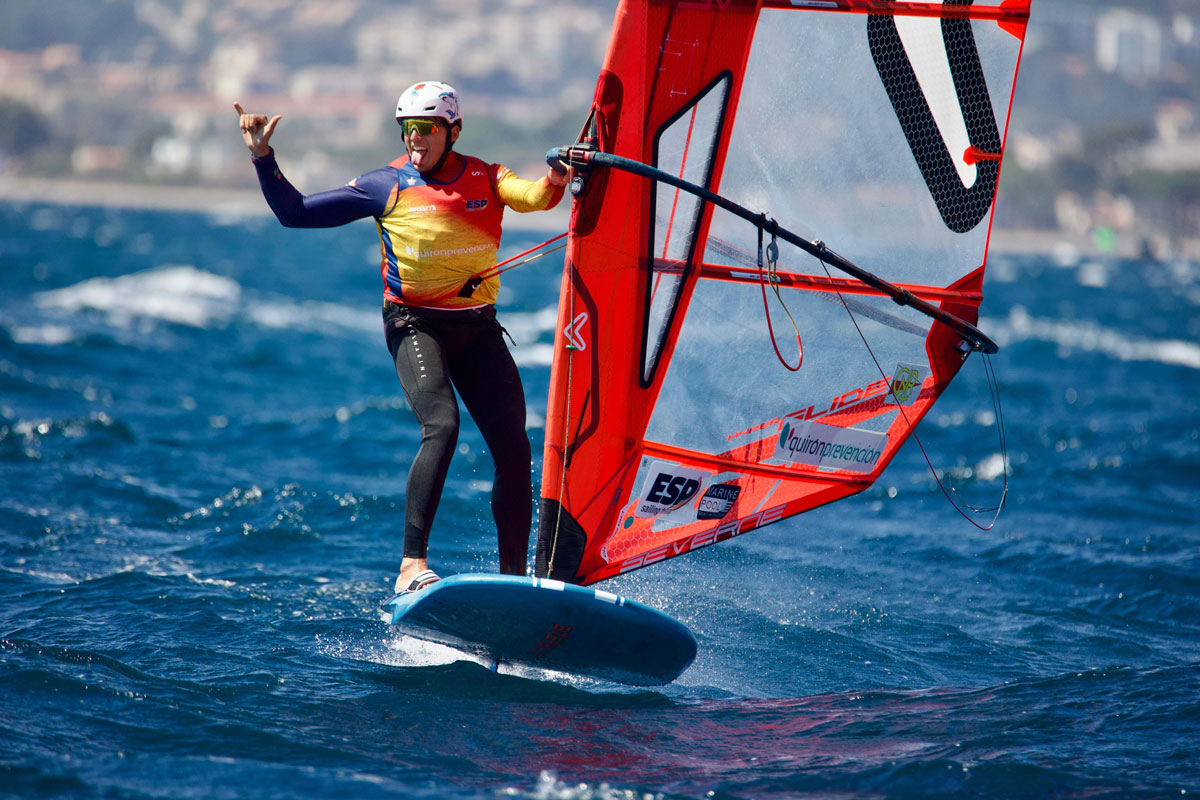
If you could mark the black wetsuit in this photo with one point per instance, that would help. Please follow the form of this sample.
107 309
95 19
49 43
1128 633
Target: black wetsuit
437 352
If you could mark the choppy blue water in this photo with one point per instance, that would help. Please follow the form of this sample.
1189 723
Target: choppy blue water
202 458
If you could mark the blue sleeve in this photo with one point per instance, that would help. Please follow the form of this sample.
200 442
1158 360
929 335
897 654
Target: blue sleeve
366 196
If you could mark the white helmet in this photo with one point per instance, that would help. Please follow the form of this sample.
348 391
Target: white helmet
429 99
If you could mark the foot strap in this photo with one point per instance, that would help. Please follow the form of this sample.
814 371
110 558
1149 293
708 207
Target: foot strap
422 580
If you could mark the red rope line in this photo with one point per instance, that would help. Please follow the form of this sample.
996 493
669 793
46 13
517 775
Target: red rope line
762 283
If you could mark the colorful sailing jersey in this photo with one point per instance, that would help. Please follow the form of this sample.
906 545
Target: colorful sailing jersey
436 233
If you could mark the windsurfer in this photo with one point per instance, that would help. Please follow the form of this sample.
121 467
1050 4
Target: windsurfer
438 215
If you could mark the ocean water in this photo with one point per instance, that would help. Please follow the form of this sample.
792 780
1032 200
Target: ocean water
203 449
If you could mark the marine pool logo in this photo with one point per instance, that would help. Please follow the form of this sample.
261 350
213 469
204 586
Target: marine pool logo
830 447
717 501
667 487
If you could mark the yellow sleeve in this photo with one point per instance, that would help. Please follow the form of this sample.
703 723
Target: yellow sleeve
522 195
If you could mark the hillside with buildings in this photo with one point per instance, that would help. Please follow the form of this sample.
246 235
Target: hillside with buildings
1104 142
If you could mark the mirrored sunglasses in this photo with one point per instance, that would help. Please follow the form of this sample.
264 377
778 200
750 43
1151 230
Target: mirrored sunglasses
425 127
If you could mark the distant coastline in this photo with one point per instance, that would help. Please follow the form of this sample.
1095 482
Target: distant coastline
248 202
112 194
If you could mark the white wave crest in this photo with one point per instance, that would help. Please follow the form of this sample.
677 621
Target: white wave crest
549 787
42 334
1090 337
185 295
285 314
534 355
525 326
177 293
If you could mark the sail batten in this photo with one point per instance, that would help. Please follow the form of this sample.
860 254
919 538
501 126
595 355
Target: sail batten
672 424
822 283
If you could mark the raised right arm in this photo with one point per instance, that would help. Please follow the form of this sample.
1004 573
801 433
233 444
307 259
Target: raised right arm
366 196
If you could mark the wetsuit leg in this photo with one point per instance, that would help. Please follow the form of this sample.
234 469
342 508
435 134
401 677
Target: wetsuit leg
490 386
424 375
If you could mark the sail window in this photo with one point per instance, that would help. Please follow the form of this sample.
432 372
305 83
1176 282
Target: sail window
683 146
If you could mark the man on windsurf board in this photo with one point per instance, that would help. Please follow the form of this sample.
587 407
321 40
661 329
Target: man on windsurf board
438 214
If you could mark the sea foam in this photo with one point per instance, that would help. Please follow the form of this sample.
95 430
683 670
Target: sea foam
1091 337
177 293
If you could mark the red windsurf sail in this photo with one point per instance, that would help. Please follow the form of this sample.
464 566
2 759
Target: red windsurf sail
709 378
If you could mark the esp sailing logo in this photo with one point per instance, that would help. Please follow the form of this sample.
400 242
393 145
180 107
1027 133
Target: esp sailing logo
667 487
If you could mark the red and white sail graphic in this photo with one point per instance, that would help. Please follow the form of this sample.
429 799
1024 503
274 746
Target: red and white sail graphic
876 127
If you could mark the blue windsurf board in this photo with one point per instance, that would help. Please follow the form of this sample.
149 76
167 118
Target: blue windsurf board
535 622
